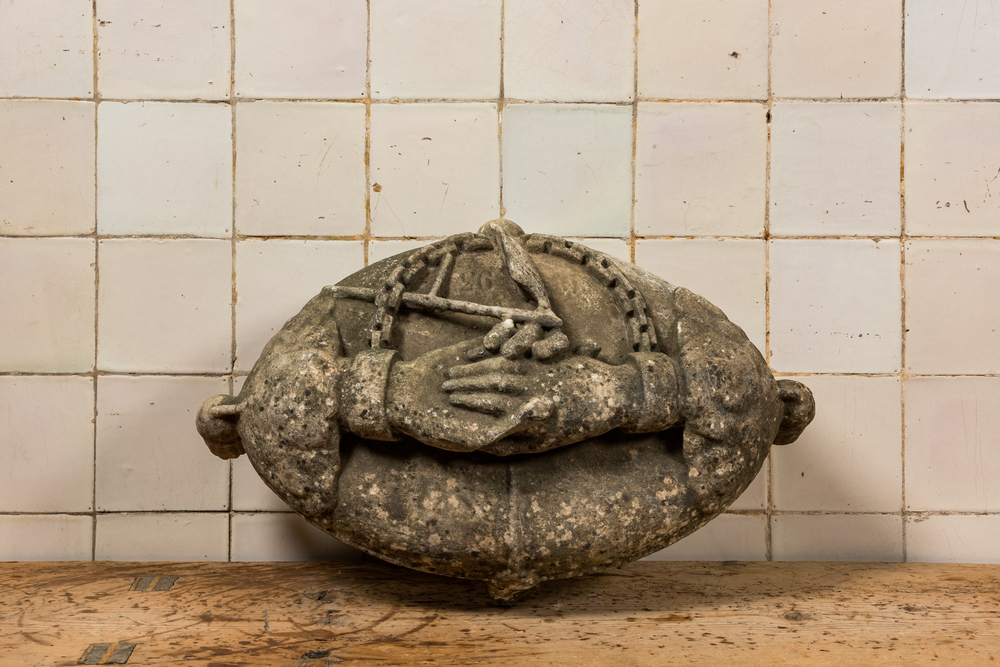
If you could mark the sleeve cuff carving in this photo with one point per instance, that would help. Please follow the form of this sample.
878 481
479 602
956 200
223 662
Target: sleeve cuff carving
661 392
363 394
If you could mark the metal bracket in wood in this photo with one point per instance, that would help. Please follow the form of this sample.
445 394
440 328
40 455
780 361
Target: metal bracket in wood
318 658
153 582
117 653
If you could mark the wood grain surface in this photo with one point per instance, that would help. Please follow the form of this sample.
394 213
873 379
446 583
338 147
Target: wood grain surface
323 614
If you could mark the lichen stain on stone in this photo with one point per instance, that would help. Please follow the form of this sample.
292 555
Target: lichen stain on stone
419 411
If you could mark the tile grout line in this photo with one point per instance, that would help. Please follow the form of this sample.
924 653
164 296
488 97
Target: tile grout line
361 237
239 373
232 221
97 284
635 130
902 282
769 500
395 101
759 512
501 103
367 234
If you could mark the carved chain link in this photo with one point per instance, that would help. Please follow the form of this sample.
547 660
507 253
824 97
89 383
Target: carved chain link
641 335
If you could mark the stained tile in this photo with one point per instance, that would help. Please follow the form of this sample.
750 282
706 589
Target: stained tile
46 167
726 537
567 168
950 287
285 537
379 250
952 174
165 306
755 495
250 494
700 169
617 248
572 51
729 273
435 168
849 459
150 49
953 539
835 306
443 49
47 301
951 50
698 49
836 48
837 537
316 51
953 444
149 455
300 169
186 536
33 537
275 279
47 49
164 168
47 443
835 169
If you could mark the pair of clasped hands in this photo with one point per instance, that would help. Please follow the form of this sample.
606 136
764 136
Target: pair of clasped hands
514 391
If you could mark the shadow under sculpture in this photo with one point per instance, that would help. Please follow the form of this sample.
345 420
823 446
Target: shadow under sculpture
507 407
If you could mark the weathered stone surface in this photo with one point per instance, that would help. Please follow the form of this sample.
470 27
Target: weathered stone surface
507 407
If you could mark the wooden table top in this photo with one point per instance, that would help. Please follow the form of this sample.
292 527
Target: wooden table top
650 613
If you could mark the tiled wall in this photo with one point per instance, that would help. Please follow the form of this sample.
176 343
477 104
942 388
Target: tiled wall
178 178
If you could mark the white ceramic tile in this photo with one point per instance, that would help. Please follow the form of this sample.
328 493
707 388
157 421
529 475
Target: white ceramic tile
953 539
151 49
47 48
149 455
835 168
300 169
951 167
952 50
47 444
285 537
953 443
726 537
617 248
164 168
703 49
869 538
379 250
435 168
46 167
275 279
835 306
165 306
755 496
730 273
849 459
186 536
836 48
47 305
442 49
306 49
567 168
250 494
952 323
573 50
700 169
46 537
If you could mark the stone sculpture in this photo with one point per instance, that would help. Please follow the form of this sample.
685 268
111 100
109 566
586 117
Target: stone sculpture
507 407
